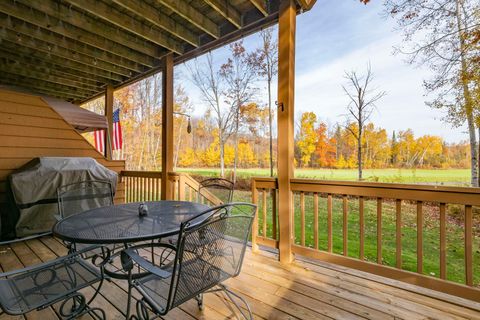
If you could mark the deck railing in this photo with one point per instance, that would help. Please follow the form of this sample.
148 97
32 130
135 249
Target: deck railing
146 186
373 227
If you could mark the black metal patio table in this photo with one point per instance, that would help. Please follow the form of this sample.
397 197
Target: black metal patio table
122 224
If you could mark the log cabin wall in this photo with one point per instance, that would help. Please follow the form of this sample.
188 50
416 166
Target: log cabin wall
30 128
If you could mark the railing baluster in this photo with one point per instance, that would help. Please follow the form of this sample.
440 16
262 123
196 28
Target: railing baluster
398 222
379 230
302 218
274 214
255 219
362 227
144 195
443 246
264 205
419 237
292 221
135 189
315 220
329 223
128 185
150 189
468 246
345 225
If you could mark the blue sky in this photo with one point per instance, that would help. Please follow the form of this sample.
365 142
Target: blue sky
344 35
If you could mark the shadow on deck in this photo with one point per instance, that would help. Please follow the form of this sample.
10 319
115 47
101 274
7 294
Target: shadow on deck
303 290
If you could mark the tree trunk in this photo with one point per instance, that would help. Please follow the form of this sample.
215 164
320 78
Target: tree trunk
235 145
359 156
467 100
270 124
222 155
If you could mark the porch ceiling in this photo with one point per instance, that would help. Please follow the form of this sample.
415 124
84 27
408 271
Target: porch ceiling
73 49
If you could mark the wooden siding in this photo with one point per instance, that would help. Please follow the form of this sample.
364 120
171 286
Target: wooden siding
30 128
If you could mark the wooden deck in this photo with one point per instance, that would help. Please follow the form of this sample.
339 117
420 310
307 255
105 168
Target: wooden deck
304 290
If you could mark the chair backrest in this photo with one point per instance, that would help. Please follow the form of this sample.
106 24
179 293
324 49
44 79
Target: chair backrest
77 197
210 252
215 190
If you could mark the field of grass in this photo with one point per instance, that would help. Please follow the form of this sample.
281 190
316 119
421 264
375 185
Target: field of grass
458 177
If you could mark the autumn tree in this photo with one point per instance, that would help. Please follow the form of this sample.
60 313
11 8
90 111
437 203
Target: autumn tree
239 74
267 66
362 99
307 137
180 123
326 147
394 149
211 85
436 35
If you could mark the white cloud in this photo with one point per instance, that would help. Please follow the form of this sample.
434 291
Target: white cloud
319 90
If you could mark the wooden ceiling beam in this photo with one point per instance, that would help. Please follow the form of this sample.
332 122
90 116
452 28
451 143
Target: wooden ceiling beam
64 53
46 77
128 23
188 13
159 19
70 44
11 79
35 64
227 11
68 65
30 60
9 61
307 4
85 26
42 91
261 5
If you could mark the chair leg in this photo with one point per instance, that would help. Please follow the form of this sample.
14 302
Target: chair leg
199 299
78 308
231 295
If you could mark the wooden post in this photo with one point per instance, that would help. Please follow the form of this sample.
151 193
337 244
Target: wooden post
109 116
286 79
167 125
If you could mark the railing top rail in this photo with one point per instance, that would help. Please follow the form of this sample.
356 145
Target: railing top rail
141 174
383 185
413 192
386 185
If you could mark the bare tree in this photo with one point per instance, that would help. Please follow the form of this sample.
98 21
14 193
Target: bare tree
361 105
435 35
210 83
267 64
239 73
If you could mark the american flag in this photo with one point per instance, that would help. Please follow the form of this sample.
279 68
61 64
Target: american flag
117 141
99 136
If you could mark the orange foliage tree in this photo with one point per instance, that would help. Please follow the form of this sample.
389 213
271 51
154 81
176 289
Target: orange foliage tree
326 150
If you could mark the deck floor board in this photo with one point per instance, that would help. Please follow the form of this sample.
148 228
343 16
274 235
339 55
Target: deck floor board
302 290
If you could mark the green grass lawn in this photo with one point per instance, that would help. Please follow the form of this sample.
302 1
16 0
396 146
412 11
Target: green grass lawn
428 176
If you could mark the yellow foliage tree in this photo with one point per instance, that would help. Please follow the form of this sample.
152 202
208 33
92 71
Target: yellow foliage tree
307 138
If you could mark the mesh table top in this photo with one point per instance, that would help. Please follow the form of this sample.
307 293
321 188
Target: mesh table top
122 224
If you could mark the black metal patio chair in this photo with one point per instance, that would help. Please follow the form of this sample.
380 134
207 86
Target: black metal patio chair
42 285
219 235
214 189
81 196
